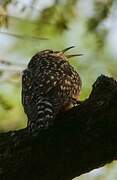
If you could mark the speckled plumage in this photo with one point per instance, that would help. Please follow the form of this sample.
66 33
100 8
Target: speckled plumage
49 84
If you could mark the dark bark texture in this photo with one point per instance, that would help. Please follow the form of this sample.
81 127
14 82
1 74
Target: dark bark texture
83 138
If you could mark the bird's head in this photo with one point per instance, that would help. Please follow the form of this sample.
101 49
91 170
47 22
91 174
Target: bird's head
50 54
60 54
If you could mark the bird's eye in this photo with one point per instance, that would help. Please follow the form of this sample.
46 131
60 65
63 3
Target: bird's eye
50 51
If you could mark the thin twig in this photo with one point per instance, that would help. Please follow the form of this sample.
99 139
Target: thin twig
22 36
7 62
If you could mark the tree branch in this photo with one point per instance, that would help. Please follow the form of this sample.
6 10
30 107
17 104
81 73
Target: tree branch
81 139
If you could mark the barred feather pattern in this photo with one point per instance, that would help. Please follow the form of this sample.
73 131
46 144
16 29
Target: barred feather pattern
44 116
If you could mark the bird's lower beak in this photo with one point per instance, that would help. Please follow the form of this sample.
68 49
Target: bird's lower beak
73 55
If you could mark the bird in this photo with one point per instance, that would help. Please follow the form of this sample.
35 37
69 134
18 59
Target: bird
49 85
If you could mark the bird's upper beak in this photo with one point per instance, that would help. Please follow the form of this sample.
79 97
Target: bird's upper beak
66 49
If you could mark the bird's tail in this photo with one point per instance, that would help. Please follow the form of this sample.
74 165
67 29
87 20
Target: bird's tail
45 115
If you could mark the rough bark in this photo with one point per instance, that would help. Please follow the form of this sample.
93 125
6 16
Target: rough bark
81 139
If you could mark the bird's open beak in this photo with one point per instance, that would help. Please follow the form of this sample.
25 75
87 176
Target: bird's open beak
70 55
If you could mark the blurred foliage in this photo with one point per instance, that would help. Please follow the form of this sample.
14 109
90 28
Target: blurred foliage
3 17
4 3
30 26
102 10
58 15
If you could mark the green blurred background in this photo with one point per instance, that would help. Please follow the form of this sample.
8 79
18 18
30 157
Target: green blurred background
28 26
